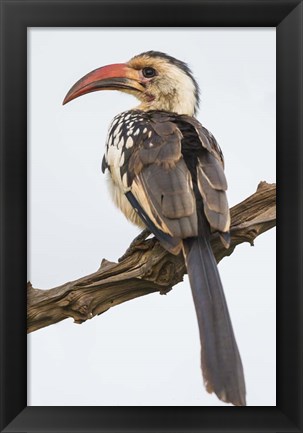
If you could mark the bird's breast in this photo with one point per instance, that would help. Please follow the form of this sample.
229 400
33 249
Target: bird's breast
119 146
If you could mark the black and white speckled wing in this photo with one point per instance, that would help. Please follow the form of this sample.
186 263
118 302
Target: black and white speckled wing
167 162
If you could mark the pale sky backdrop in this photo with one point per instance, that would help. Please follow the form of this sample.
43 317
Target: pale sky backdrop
146 351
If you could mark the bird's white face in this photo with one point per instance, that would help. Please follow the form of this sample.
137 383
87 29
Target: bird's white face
158 81
167 86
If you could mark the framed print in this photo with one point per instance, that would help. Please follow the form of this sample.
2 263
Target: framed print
53 384
70 206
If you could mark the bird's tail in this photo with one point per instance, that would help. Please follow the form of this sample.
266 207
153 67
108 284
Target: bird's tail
220 359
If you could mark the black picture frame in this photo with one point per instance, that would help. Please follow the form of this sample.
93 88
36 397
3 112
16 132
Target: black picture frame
16 16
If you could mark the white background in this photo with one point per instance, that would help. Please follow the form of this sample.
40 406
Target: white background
146 351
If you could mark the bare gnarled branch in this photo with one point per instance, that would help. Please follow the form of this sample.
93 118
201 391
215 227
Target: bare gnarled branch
145 269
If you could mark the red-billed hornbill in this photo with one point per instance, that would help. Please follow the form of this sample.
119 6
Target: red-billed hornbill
167 174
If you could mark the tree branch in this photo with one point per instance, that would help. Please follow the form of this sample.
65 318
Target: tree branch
146 268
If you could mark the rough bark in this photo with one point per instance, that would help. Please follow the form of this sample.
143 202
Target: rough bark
144 269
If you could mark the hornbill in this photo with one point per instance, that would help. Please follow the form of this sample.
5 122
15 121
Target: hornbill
167 174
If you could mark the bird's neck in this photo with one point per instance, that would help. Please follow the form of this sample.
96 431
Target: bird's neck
174 105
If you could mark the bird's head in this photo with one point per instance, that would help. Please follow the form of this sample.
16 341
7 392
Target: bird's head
159 81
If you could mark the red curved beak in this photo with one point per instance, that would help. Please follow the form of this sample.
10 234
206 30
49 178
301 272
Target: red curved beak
112 77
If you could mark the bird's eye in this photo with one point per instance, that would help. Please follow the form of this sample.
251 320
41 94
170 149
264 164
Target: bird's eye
148 72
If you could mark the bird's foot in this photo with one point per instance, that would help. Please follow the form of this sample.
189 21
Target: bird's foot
137 244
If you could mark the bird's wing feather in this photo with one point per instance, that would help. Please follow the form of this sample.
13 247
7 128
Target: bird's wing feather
174 160
207 140
203 154
161 180
168 242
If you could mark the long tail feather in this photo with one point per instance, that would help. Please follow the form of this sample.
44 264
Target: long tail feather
220 359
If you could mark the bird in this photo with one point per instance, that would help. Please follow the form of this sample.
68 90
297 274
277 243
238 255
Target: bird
166 174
